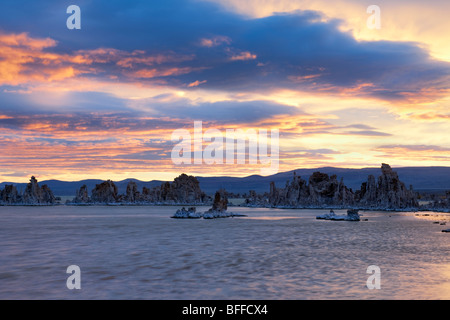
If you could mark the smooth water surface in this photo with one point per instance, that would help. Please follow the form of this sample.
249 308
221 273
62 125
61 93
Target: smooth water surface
140 253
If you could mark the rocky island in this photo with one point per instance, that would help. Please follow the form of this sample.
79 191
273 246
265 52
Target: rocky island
33 195
320 191
218 210
324 191
352 215
184 190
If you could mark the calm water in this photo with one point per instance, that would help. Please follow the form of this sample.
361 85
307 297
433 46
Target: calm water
139 253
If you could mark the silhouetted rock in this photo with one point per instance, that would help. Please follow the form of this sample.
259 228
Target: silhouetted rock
389 193
327 191
105 192
183 190
352 215
220 202
132 195
82 195
32 192
32 195
219 207
190 213
324 191
9 195
321 191
47 196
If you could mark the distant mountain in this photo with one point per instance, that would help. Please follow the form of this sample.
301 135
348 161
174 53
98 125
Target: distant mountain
421 178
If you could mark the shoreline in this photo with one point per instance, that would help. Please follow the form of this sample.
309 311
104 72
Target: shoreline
442 210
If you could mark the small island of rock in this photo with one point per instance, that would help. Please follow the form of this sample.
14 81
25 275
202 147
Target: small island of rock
218 210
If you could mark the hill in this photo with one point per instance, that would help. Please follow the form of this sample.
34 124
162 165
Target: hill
429 179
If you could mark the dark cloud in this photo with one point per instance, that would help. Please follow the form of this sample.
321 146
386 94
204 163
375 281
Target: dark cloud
86 122
219 112
97 111
45 103
69 143
296 50
360 126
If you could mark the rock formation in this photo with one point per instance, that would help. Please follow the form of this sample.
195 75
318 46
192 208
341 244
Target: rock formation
9 195
320 191
190 213
132 193
352 215
184 190
220 201
105 192
82 195
387 193
47 196
32 192
32 195
219 207
323 191
441 203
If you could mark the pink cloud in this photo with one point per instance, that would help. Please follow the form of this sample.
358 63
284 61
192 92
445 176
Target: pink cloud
245 55
196 83
214 41
24 59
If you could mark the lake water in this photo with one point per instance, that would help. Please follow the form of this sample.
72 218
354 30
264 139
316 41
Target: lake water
140 253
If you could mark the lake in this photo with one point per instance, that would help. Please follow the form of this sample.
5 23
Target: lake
138 252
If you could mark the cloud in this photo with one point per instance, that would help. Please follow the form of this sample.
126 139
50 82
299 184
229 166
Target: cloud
214 41
298 50
402 20
94 98
368 133
220 112
242 56
309 153
196 83
415 148
431 116
415 152
360 126
24 59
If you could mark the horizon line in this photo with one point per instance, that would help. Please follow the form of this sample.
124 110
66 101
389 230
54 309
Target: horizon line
224 176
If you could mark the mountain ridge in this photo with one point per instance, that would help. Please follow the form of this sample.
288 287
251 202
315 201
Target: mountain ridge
434 178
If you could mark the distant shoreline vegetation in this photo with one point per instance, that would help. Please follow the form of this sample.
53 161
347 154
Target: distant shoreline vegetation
321 191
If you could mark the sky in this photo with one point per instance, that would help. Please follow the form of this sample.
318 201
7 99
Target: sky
104 101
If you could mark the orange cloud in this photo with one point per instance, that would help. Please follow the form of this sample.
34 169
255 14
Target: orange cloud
303 78
431 116
24 59
196 83
23 40
152 73
243 56
415 152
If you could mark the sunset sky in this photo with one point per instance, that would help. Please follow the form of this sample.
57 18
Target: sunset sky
103 101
